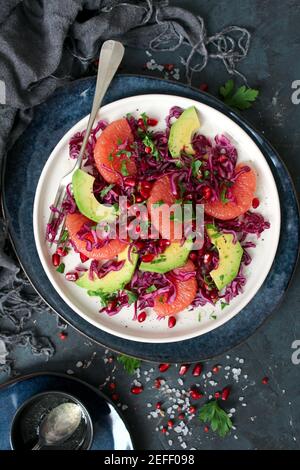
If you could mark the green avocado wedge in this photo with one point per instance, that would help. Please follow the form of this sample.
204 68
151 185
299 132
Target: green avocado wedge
181 132
173 257
230 256
82 184
114 280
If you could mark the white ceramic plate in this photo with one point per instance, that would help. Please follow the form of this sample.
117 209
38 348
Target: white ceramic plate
188 324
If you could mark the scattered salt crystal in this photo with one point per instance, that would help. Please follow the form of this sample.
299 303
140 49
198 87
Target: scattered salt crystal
149 405
147 379
227 368
209 374
233 410
241 398
235 436
79 364
213 383
70 372
152 370
227 357
244 404
241 361
210 397
183 445
180 381
170 442
145 372
124 407
169 410
154 414
148 416
136 383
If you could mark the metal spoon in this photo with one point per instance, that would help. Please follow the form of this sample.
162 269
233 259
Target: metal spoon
59 425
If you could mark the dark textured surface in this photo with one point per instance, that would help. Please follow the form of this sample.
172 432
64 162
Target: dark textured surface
272 417
52 119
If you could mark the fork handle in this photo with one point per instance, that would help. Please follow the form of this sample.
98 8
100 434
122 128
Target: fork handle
111 55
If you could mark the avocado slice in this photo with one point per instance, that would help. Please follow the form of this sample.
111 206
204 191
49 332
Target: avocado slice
182 131
173 257
82 184
230 255
114 280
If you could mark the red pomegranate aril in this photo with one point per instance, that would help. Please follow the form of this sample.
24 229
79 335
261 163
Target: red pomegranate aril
255 203
61 252
207 258
203 87
192 409
139 198
195 394
197 370
139 245
72 276
265 380
157 383
145 193
136 390
225 393
158 405
138 229
217 395
152 122
115 396
163 367
142 317
112 386
216 369
181 416
183 369
164 429
141 123
193 256
222 158
162 243
170 423
55 259
169 67
83 258
188 197
130 182
206 428
171 322
147 149
111 305
206 191
148 258
63 335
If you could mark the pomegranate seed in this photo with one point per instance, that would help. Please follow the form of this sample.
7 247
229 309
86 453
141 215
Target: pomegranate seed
192 409
148 258
63 335
203 87
163 367
170 423
206 428
181 416
158 405
145 193
55 259
72 276
142 317
195 394
207 258
255 203
183 369
222 158
197 370
139 245
163 243
164 429
193 256
206 191
152 122
138 229
112 386
169 67
138 198
140 123
136 390
157 383
148 149
217 395
115 396
188 197
171 322
61 252
130 182
214 295
265 380
111 305
225 393
83 257
216 369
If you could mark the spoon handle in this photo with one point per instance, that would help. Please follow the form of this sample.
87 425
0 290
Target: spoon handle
38 445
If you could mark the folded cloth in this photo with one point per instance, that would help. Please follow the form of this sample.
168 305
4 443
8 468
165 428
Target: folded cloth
44 43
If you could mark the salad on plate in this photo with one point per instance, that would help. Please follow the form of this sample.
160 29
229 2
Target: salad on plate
161 218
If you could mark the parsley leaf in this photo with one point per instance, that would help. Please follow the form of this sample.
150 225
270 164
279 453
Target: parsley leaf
103 296
61 268
217 417
148 142
223 305
132 297
240 98
223 195
106 190
196 164
151 289
64 236
124 170
130 364
158 203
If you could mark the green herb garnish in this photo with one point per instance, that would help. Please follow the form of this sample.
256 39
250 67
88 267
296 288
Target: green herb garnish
223 195
103 296
64 236
196 164
240 98
106 190
124 170
61 268
223 305
148 142
158 203
218 419
130 364
132 297
151 289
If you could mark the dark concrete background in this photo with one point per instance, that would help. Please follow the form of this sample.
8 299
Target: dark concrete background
271 418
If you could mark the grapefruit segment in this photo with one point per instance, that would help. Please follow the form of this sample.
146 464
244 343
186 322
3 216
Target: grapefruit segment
243 191
185 294
161 194
108 163
74 222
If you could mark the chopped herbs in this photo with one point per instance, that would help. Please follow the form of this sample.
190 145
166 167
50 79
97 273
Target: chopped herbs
106 190
196 164
151 289
103 296
223 195
61 268
159 260
130 364
240 98
158 203
64 236
124 170
148 142
218 419
223 305
132 297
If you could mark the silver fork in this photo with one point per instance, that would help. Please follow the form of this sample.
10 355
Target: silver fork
111 55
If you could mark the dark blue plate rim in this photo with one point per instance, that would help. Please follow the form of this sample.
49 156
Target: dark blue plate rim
264 146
